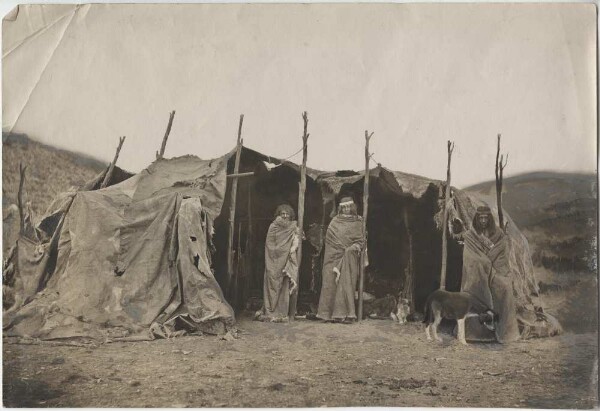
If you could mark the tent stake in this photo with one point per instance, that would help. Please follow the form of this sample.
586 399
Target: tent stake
302 189
445 220
160 154
232 205
361 273
111 167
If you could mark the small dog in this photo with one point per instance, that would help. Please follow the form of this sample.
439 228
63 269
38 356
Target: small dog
455 306
401 312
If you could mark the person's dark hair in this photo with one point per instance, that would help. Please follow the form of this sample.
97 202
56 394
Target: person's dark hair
484 210
285 207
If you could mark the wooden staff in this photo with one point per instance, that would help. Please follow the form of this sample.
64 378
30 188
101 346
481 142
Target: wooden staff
500 165
302 189
234 183
361 272
160 154
445 220
111 167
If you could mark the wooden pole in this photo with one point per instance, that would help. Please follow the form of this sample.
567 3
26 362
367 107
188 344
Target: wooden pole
301 191
236 275
409 283
111 167
445 220
248 174
500 164
361 273
22 169
249 251
160 154
232 205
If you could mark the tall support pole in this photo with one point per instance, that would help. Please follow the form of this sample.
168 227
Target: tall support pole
445 221
409 280
163 146
111 167
232 204
501 162
22 169
361 273
301 191
248 247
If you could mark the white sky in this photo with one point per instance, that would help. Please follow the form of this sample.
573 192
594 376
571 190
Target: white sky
416 74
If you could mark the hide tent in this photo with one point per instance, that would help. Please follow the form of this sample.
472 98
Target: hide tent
268 183
129 260
404 240
149 254
404 226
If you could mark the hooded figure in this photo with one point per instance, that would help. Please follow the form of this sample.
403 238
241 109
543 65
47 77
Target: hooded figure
486 275
281 265
344 243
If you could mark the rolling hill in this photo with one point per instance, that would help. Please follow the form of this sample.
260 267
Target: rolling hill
50 171
558 214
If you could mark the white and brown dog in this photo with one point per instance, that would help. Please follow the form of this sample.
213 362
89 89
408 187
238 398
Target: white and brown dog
455 306
401 311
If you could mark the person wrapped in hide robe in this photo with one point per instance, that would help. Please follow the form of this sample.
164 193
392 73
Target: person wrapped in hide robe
486 275
344 242
281 265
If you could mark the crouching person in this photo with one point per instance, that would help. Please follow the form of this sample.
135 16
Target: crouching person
281 266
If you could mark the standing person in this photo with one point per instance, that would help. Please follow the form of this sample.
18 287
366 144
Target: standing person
281 265
344 243
486 275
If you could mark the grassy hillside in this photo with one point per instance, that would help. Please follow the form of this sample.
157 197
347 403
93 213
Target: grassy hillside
49 171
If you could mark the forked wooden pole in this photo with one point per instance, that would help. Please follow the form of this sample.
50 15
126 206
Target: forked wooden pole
301 191
160 154
232 204
361 273
501 163
445 221
111 167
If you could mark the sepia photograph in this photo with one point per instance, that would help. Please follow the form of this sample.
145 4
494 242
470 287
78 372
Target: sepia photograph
295 205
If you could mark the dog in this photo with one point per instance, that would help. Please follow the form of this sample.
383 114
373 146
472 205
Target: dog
401 311
455 306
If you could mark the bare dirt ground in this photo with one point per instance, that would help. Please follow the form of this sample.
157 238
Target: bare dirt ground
305 364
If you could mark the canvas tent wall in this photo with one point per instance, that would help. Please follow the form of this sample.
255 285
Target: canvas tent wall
34 250
132 258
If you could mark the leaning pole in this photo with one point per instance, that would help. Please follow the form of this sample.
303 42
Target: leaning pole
232 204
